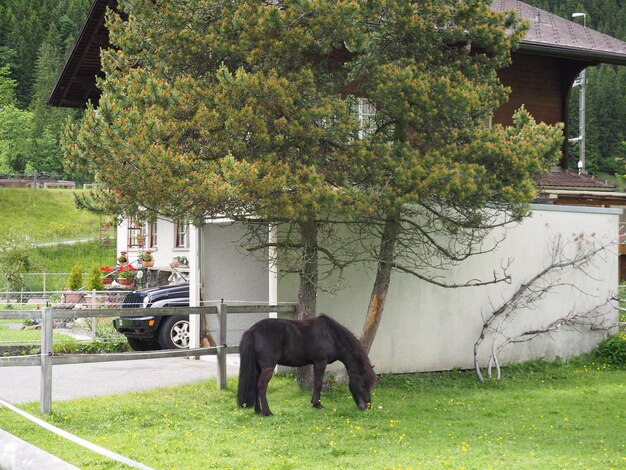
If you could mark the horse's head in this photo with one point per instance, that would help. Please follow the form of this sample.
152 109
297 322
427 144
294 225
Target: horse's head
361 387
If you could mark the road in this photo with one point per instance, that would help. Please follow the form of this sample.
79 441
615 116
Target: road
71 381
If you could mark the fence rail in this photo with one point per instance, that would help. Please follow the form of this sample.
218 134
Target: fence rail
67 300
47 359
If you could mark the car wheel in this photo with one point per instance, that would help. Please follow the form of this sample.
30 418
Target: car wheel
143 344
174 332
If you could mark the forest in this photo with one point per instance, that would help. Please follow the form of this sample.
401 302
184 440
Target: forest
36 37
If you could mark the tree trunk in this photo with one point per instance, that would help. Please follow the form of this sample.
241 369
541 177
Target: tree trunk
381 284
307 296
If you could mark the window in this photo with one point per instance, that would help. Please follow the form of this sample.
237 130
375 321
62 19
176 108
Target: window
365 112
182 234
152 235
136 233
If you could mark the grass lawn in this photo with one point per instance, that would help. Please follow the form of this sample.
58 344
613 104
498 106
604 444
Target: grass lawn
50 215
62 258
45 215
57 261
10 336
540 416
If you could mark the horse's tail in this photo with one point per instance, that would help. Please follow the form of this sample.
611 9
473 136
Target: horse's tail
247 392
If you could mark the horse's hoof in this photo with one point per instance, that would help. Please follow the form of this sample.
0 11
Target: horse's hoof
268 413
317 405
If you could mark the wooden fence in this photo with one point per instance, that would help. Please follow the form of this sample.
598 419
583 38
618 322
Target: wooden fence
46 359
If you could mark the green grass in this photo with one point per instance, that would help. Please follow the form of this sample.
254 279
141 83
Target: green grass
48 216
45 215
106 340
540 416
62 258
10 336
59 260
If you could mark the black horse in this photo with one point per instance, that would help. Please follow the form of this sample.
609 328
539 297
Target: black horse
319 341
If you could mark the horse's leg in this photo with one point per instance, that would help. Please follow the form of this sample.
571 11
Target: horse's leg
264 379
257 401
318 375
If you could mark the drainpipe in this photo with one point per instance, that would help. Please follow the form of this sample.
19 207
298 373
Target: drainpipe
272 270
194 284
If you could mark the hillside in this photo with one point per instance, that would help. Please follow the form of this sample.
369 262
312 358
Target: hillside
45 215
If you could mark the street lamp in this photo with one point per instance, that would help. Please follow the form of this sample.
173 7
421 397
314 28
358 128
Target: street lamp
581 81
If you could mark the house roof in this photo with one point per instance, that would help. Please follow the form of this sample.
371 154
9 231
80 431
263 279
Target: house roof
562 187
77 82
549 35
565 179
555 36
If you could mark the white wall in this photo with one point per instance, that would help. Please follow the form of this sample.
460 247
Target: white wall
425 327
228 272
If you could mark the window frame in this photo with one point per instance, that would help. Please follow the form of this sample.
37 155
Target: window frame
182 235
135 234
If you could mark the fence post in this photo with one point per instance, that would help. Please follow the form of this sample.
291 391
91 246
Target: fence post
94 320
222 313
46 360
44 284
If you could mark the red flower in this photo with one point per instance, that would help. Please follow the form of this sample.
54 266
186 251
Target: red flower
106 269
127 272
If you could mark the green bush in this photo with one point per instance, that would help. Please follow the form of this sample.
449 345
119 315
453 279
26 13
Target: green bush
75 280
613 350
94 281
96 346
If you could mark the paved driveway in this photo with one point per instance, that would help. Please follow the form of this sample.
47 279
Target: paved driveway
22 384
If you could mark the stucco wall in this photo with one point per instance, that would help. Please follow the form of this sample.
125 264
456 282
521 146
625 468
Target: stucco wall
230 273
425 327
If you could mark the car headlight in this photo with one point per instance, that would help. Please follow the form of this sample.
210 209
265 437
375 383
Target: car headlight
146 301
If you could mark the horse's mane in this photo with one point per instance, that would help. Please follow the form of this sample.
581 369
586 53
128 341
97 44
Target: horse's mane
351 346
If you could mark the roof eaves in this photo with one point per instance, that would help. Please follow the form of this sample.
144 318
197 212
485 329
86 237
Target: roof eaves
593 57
56 96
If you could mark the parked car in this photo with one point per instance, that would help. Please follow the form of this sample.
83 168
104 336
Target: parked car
144 331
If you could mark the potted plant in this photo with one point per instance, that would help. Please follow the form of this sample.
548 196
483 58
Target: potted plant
123 259
147 260
73 285
94 281
127 275
105 272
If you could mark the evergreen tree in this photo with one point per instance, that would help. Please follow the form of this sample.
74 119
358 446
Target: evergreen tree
35 38
15 127
48 121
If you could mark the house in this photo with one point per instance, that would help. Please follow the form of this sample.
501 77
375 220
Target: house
438 331
166 240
